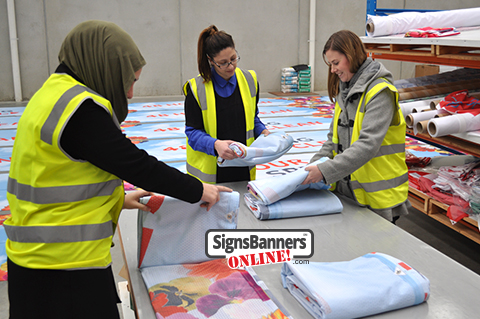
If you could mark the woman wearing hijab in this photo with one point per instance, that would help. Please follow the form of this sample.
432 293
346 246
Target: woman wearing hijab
220 108
65 186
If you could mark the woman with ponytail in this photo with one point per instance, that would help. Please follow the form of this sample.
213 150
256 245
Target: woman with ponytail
220 108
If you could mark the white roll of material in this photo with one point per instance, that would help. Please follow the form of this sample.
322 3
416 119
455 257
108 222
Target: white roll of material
413 118
455 123
378 26
419 109
407 107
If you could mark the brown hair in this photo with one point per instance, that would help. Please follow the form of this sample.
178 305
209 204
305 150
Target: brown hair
210 43
352 47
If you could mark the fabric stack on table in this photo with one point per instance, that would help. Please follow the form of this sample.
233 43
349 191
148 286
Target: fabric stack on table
284 197
365 286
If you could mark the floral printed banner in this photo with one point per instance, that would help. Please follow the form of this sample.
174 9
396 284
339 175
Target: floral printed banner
209 290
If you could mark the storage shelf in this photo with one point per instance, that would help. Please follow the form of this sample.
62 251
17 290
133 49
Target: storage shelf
461 50
438 211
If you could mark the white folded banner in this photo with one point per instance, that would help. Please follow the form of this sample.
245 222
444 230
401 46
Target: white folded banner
365 286
263 150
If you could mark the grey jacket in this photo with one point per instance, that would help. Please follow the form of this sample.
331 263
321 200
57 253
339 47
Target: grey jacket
379 115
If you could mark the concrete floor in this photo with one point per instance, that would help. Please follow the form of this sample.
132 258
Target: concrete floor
437 235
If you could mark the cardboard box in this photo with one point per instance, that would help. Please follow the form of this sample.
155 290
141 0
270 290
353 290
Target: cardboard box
426 69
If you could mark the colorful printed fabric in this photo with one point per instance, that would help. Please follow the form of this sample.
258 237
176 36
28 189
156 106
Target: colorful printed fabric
174 231
460 102
308 202
368 285
263 150
273 189
209 290
429 32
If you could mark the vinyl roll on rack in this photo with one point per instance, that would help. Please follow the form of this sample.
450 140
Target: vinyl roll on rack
377 26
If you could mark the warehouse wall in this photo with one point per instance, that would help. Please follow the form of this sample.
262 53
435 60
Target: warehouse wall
269 35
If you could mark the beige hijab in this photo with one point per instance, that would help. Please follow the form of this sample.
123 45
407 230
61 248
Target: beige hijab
105 58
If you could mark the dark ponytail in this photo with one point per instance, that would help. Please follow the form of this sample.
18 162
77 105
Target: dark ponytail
210 43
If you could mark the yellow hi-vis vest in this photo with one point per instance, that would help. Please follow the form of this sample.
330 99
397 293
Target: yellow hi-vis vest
202 165
383 181
64 211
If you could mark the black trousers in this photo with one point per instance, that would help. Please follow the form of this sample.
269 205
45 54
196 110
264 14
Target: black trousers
39 293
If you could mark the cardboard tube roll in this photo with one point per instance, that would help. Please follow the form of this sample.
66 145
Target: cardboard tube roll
421 109
407 107
456 123
433 104
422 126
412 119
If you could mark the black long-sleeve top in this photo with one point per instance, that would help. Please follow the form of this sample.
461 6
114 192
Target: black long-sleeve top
91 135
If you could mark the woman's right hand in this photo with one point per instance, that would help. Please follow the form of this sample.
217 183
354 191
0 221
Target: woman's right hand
211 194
314 175
223 151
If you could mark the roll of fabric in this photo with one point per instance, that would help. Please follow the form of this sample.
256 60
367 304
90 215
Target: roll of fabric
377 26
434 103
365 286
421 109
308 202
273 189
263 150
422 127
407 107
413 118
455 123
174 231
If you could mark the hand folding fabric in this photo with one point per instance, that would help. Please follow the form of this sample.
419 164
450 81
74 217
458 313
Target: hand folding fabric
174 232
271 190
263 150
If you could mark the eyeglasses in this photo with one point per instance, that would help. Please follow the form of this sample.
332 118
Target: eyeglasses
226 64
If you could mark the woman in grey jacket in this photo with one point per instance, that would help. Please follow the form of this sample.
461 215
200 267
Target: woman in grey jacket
366 142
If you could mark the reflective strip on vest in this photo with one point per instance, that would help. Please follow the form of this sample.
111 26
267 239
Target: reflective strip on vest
204 177
48 128
251 82
380 185
61 194
201 93
59 234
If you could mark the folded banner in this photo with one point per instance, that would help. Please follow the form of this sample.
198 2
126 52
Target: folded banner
273 189
368 285
308 202
263 150
209 290
174 231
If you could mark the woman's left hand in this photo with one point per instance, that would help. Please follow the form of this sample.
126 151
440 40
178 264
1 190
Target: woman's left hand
132 200
265 132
